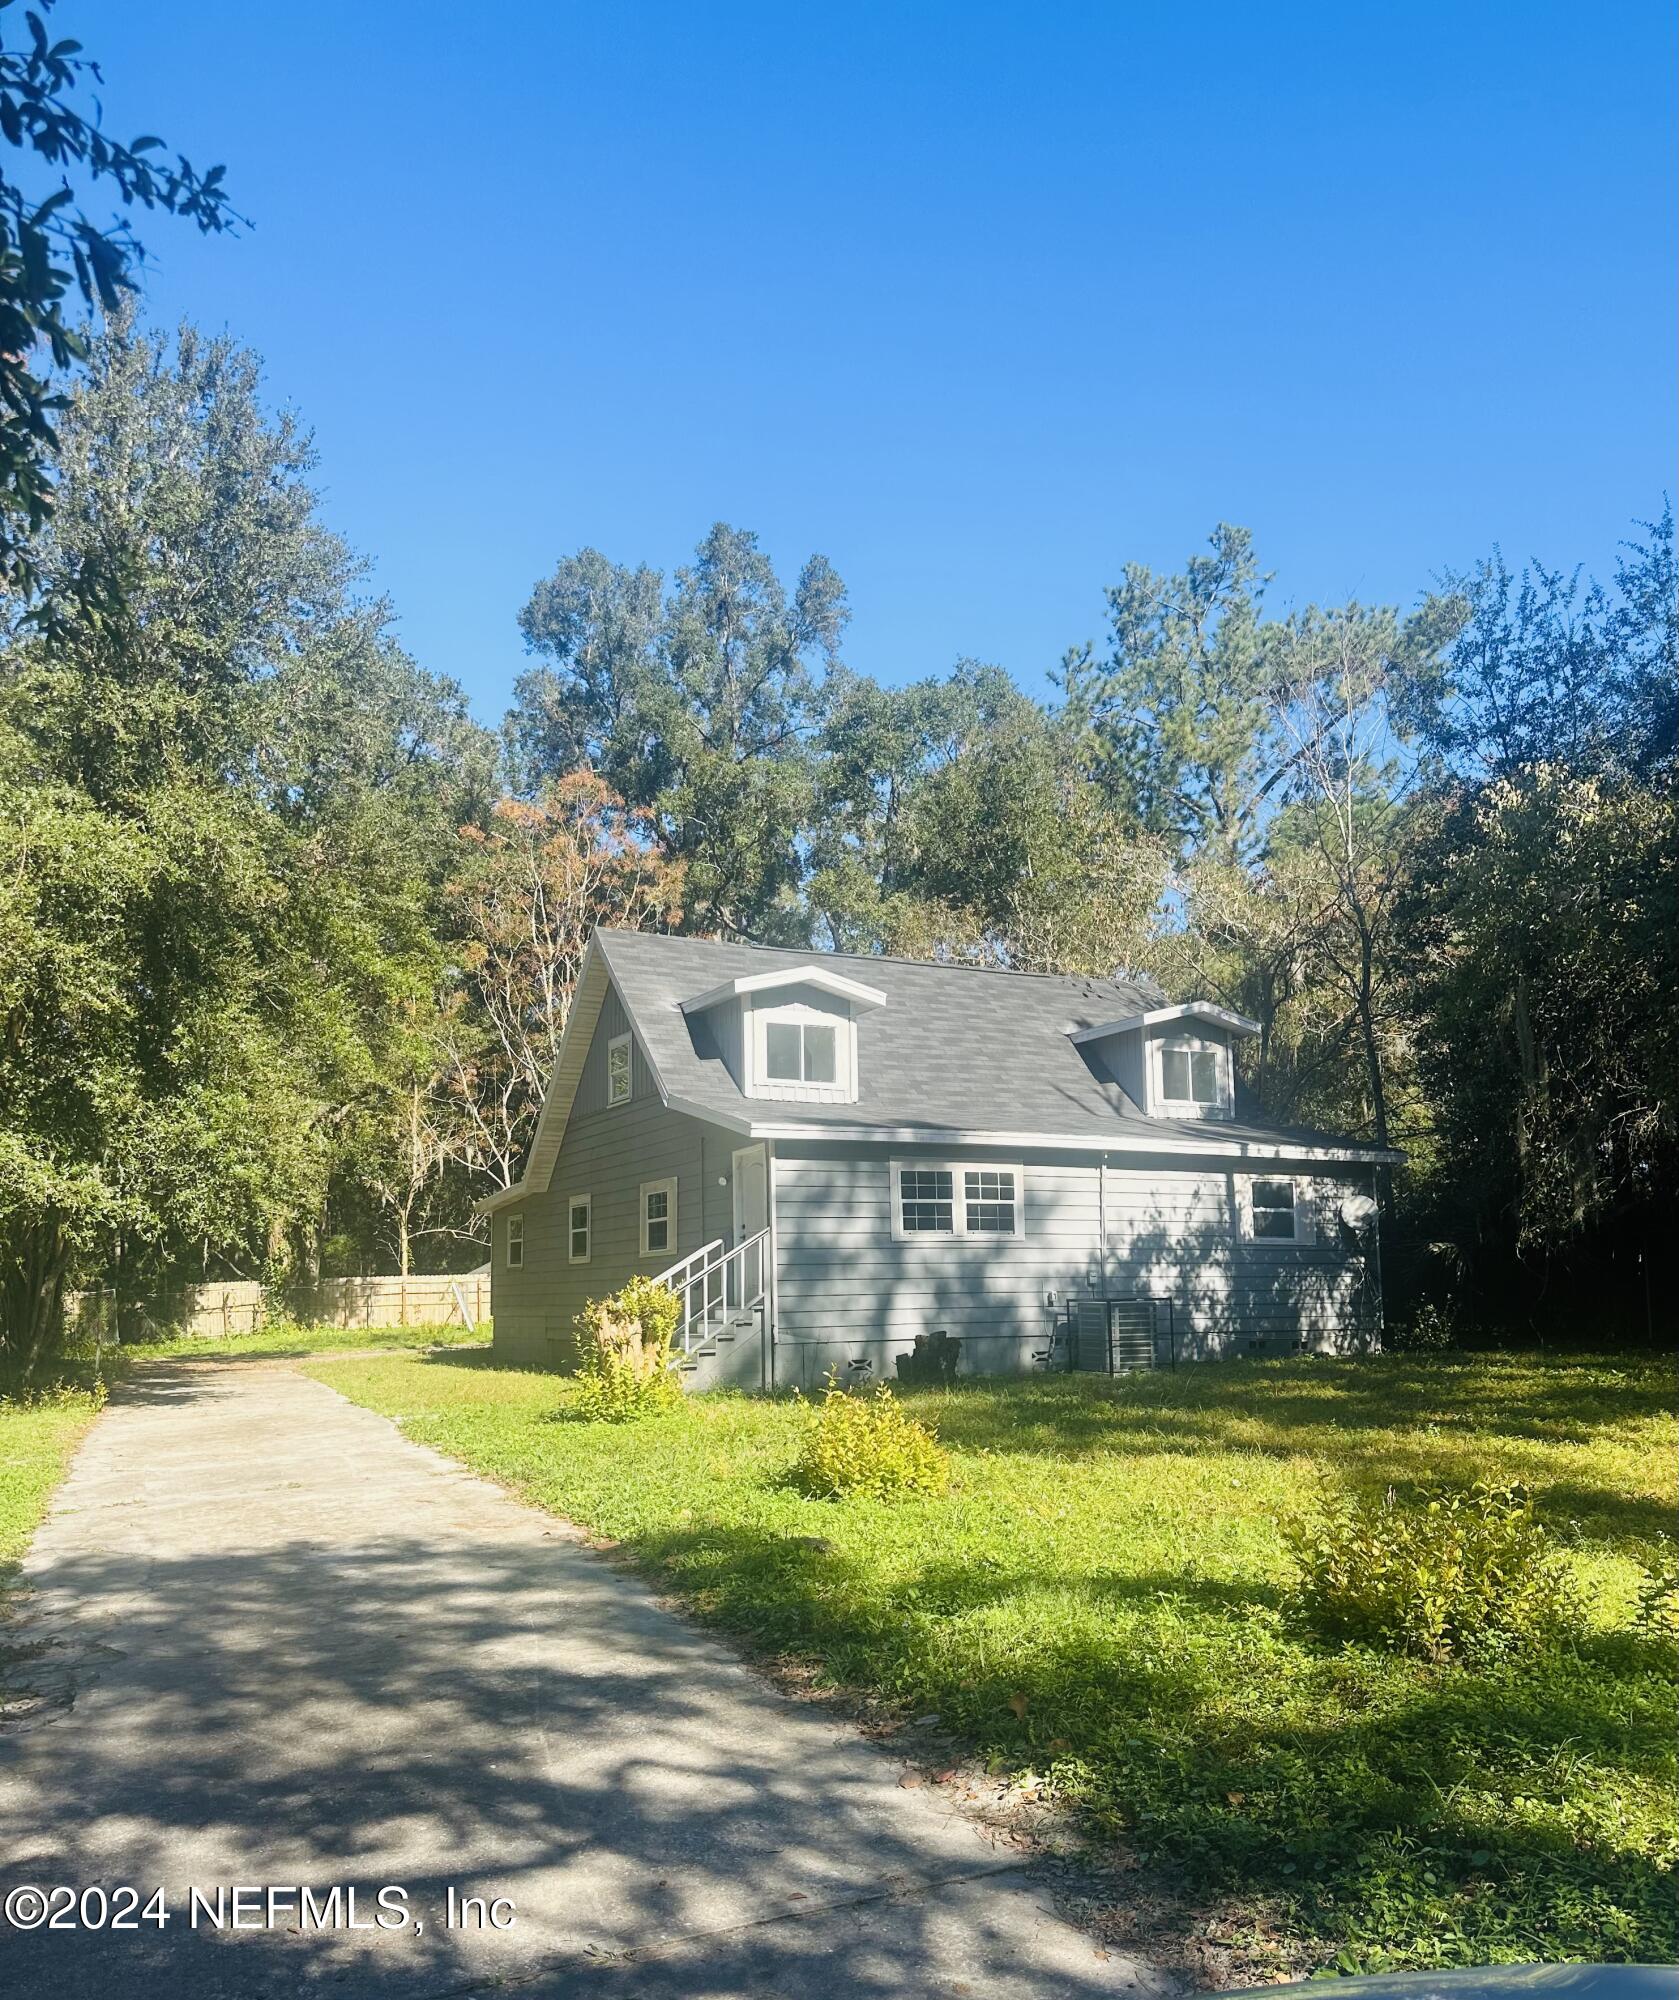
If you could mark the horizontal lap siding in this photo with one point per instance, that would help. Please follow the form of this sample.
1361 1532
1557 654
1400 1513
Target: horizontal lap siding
848 1290
607 1154
1178 1236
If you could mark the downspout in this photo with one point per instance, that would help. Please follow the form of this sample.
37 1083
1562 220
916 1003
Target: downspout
774 1272
1102 1219
1376 1253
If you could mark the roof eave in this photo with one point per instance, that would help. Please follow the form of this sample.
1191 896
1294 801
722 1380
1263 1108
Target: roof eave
1189 1010
798 975
1077 1142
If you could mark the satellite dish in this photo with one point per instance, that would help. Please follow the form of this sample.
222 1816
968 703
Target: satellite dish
1359 1212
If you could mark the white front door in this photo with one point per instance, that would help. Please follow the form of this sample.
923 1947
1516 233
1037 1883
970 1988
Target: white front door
751 1192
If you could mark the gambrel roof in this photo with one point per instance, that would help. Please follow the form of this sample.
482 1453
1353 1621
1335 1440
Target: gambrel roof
948 1054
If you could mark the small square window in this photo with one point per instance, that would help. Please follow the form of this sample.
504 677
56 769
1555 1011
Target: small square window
1273 1211
579 1227
620 1075
515 1242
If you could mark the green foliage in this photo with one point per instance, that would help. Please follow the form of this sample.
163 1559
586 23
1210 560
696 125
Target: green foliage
956 820
1657 1616
1550 667
693 705
864 1444
1544 922
1426 1328
1097 1608
291 1337
39 1431
1439 1574
624 1347
52 255
224 804
1177 713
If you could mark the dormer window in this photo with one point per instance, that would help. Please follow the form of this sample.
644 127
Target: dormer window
801 1051
789 1033
1170 1062
1189 1075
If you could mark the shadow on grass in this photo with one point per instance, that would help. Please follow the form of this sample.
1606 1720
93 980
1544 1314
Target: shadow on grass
1206 1404
1178 1712
481 1358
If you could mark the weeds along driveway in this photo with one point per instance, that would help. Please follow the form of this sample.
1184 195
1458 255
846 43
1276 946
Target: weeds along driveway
277 1644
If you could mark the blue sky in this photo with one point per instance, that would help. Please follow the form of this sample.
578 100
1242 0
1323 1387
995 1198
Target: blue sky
980 301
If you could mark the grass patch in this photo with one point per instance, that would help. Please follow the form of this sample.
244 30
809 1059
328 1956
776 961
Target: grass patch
38 1438
1102 1599
286 1338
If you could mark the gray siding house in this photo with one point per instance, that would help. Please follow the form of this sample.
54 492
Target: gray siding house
826 1156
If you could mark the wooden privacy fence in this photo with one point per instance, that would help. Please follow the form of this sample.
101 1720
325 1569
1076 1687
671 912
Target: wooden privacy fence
240 1305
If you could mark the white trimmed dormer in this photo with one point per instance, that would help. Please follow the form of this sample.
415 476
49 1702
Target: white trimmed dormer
789 1035
1172 1062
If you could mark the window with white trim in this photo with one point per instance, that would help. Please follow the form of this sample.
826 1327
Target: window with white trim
801 1051
620 1074
990 1200
513 1243
658 1218
927 1201
1192 1077
1276 1213
955 1198
580 1227
1189 1075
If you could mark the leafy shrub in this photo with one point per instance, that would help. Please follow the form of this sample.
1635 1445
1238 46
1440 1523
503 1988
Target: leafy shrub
865 1443
1426 1329
1444 1573
1657 1615
624 1344
61 1395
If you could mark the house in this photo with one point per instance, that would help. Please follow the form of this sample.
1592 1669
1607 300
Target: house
827 1155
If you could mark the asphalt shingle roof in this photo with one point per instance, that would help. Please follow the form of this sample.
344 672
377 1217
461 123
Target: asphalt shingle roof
955 1048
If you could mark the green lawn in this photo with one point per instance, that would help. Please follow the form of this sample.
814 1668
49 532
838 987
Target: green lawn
37 1440
1102 1601
288 1339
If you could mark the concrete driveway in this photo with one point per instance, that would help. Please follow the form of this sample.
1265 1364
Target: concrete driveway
283 1647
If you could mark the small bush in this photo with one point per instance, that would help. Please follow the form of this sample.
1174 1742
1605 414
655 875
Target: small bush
625 1347
1427 1329
866 1444
60 1395
1657 1615
1446 1573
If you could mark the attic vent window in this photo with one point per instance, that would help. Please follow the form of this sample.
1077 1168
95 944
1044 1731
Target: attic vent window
620 1077
800 1052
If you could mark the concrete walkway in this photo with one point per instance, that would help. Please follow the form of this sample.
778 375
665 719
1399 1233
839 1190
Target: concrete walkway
284 1646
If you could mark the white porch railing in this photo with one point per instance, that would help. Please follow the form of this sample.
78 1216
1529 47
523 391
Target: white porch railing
715 1284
